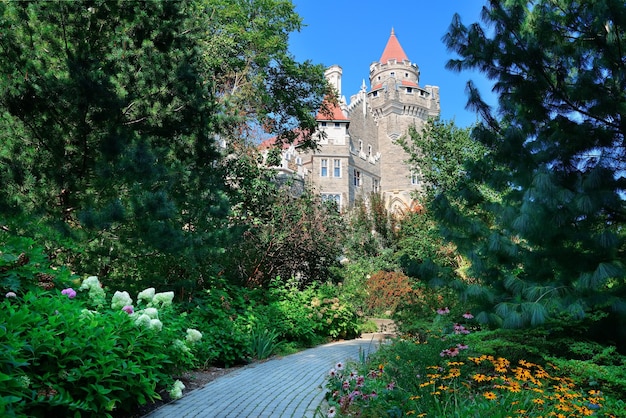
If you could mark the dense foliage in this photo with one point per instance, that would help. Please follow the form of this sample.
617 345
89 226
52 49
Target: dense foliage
540 219
116 117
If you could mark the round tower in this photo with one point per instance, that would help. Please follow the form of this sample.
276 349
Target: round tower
397 102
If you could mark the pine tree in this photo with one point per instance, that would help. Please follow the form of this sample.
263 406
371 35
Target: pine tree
542 216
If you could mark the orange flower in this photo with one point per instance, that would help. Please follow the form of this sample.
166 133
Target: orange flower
490 395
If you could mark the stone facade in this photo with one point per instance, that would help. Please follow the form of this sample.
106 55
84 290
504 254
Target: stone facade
358 151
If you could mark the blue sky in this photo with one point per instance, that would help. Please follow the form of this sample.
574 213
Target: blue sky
353 34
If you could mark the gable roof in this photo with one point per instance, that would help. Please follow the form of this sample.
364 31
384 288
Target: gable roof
393 50
335 112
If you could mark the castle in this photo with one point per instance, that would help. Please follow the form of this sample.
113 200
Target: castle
358 152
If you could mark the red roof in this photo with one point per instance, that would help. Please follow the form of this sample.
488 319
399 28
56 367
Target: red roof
271 142
335 113
393 50
409 83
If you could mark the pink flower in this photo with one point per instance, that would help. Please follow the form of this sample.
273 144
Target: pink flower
339 366
462 346
450 352
332 373
460 329
345 385
468 315
355 394
128 309
69 292
391 385
443 311
10 295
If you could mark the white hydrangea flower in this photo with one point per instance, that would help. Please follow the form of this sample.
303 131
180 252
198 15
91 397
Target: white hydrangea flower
153 313
86 314
181 346
96 292
90 282
193 335
163 299
120 299
146 295
156 324
143 320
177 390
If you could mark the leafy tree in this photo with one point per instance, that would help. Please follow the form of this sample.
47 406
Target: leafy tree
370 227
289 237
442 153
113 114
439 152
541 218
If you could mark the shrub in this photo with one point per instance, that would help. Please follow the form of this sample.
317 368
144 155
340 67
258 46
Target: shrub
61 358
386 290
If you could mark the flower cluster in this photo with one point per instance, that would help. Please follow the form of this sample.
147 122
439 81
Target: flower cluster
96 292
69 292
349 387
193 335
177 390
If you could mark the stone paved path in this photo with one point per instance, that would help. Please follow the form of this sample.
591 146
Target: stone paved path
290 386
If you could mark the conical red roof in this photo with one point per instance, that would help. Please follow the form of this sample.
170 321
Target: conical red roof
393 50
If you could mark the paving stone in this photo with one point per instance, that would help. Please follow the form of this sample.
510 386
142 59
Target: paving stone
290 386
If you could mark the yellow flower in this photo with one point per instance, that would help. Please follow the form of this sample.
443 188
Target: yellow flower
539 401
412 412
414 398
480 377
490 395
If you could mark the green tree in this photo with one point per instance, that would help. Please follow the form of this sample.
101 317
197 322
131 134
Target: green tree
289 237
542 217
442 153
113 114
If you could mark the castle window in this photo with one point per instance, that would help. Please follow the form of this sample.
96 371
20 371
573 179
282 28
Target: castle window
324 168
323 124
414 178
392 74
332 197
360 145
337 125
369 150
406 75
357 178
299 161
375 186
409 90
375 94
337 167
